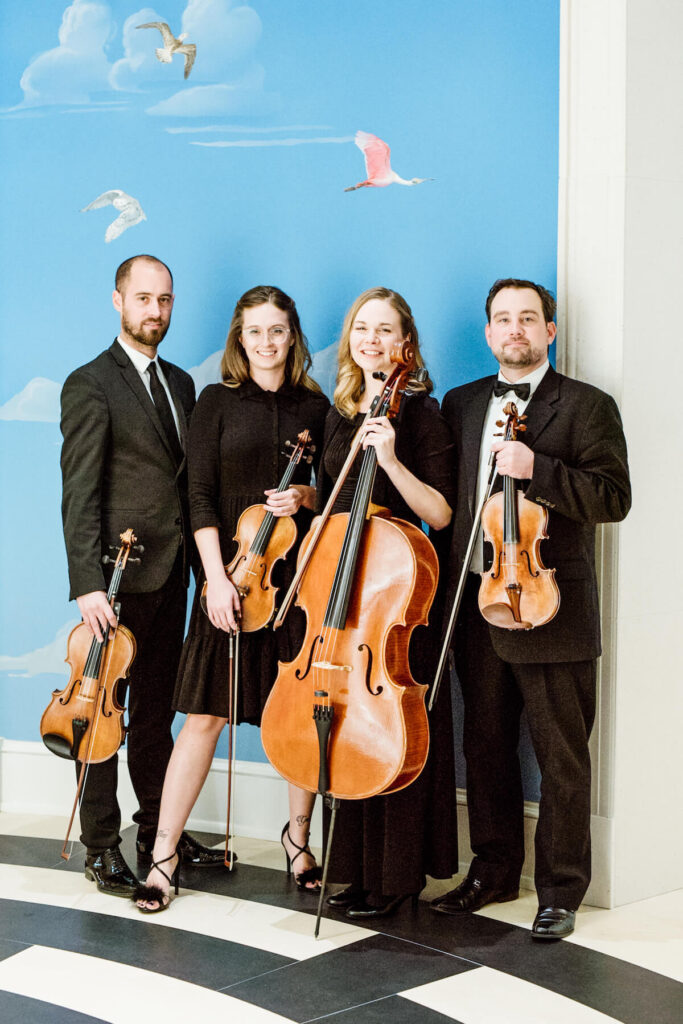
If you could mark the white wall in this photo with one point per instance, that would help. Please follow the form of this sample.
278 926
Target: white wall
619 281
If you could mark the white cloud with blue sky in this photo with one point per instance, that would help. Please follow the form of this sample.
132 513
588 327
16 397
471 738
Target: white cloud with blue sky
83 69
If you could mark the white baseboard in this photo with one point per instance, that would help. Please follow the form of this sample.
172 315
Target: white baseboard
34 781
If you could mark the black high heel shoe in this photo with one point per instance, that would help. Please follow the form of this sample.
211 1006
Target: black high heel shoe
313 874
155 894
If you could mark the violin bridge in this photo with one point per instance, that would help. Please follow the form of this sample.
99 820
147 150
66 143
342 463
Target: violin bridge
330 666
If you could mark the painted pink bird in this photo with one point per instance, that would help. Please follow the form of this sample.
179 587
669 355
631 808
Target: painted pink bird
377 164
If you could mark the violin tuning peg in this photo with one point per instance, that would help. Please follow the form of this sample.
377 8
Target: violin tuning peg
308 459
105 559
288 444
420 375
312 449
134 561
138 547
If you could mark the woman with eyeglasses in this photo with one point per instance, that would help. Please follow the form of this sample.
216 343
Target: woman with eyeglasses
236 456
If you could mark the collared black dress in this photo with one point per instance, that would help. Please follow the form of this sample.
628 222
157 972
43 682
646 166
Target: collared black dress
236 451
387 844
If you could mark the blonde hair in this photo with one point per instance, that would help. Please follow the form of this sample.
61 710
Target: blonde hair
235 365
350 380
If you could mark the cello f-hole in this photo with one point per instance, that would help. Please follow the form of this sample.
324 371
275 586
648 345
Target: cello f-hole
302 675
368 671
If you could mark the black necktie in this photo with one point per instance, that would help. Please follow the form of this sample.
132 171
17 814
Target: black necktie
163 407
501 387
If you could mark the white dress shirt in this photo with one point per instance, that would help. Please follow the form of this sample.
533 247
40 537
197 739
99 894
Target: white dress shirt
141 363
488 437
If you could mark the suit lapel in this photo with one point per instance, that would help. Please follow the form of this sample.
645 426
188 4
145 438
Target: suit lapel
473 424
134 382
541 409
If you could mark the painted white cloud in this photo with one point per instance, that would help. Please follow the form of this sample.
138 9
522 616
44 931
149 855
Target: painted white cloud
208 372
246 95
78 67
48 660
252 143
139 63
223 32
245 129
324 368
38 401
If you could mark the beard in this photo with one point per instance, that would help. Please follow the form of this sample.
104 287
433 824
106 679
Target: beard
528 356
144 333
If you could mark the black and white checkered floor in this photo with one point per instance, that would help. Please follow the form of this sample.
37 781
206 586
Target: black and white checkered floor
240 947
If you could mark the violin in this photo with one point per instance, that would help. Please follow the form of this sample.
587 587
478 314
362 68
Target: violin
518 592
345 717
84 721
263 539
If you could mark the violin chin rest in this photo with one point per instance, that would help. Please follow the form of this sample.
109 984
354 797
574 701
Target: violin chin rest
500 614
58 745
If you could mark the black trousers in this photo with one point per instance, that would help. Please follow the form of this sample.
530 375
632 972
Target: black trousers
559 698
157 621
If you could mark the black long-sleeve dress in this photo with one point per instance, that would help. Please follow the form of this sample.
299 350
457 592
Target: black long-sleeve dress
387 844
236 450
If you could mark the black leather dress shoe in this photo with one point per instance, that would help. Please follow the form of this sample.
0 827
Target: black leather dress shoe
380 907
470 895
553 923
346 898
191 851
110 872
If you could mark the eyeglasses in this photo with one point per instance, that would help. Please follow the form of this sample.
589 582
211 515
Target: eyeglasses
274 334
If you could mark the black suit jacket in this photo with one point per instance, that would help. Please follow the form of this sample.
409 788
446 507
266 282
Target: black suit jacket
118 471
581 477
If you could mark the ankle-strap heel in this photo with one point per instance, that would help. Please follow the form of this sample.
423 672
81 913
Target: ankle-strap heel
154 893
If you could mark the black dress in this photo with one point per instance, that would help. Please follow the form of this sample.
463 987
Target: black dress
387 844
236 450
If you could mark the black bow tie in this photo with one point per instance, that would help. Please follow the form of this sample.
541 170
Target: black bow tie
501 387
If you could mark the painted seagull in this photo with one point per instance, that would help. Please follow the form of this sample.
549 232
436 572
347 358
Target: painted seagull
172 45
377 164
130 211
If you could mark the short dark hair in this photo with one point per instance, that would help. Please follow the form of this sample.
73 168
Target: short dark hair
123 272
547 298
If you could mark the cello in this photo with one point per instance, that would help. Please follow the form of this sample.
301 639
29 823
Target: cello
84 721
346 718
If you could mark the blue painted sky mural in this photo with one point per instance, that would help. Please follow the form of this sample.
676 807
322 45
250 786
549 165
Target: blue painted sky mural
236 175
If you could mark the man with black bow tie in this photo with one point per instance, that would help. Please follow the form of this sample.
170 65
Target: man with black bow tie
573 462
124 422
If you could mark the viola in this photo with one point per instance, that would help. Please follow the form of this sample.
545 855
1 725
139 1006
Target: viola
345 717
518 592
84 721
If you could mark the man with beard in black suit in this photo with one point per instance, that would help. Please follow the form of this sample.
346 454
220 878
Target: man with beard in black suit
124 422
571 461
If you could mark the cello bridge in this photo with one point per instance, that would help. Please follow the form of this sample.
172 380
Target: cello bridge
330 666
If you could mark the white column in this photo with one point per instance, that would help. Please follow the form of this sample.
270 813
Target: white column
620 262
